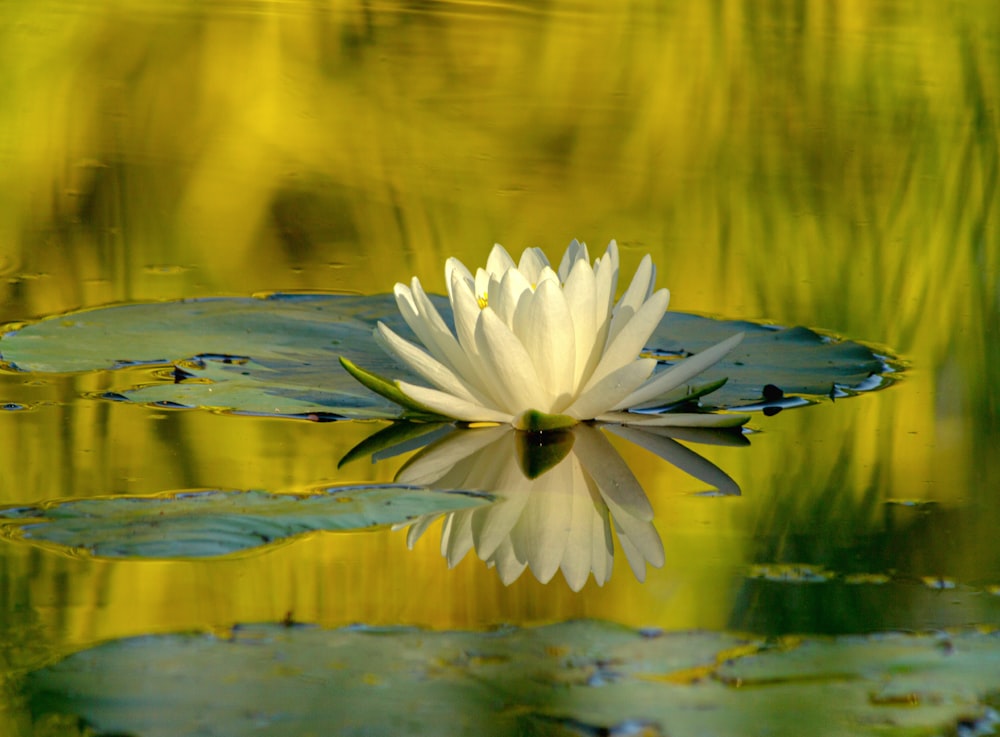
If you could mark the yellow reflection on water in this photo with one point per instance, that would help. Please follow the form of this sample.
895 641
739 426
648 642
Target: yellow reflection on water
827 164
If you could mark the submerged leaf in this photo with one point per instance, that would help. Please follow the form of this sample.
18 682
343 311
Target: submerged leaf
582 677
197 524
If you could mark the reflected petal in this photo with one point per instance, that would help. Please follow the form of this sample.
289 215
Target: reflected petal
418 528
456 537
496 522
684 458
673 419
617 484
578 558
540 535
436 460
509 567
641 544
561 519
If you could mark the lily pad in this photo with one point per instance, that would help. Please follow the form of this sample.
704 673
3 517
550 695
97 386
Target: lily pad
280 354
203 523
575 678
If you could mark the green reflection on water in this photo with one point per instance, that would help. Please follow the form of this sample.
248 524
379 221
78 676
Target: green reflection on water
832 165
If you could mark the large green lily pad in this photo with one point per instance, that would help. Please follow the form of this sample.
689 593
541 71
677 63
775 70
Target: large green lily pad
576 678
198 524
279 354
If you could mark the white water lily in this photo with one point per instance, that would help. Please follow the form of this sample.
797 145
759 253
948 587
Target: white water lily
539 348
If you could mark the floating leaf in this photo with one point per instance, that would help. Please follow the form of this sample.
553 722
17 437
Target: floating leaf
582 677
280 354
197 524
790 360
790 573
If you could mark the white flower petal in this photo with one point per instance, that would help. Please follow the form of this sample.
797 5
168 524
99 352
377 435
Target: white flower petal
465 311
502 398
652 281
448 405
499 261
681 373
507 294
482 286
533 260
608 391
580 291
631 338
631 301
546 274
424 364
574 253
429 327
639 287
452 268
606 273
500 349
544 325
673 419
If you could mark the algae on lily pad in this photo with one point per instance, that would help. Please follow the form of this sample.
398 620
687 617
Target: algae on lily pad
576 678
279 354
197 524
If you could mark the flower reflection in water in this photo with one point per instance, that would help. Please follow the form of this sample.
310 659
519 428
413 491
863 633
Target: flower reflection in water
559 494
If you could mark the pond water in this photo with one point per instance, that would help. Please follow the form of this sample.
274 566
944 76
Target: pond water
829 165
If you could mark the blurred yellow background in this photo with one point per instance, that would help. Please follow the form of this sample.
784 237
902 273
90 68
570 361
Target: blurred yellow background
833 165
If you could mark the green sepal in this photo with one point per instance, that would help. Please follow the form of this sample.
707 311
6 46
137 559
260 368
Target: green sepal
534 421
390 390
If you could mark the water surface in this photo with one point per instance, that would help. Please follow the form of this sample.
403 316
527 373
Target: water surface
827 165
